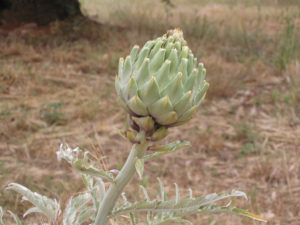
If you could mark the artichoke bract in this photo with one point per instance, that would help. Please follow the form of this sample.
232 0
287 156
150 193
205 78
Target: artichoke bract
162 81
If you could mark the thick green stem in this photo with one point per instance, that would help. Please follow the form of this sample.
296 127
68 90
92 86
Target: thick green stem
123 178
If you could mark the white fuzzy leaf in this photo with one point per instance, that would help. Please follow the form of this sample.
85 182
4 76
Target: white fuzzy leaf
177 198
236 211
165 149
139 166
84 215
92 171
32 210
1 216
145 193
191 193
183 206
162 190
74 206
101 189
47 206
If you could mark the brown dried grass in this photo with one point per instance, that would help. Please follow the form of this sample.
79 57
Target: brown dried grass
55 89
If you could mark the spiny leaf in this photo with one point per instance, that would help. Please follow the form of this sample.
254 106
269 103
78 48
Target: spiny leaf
32 210
145 193
177 193
84 215
162 191
1 216
184 206
139 166
74 207
236 211
47 206
165 149
94 172
248 214
101 189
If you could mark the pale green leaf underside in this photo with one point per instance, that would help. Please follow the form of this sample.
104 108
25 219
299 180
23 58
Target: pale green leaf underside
165 149
47 206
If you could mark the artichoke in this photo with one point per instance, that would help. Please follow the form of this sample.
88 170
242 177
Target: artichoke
161 82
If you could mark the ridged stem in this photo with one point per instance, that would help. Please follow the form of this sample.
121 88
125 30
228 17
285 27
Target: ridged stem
123 178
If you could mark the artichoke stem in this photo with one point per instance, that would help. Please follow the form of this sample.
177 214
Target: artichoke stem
123 178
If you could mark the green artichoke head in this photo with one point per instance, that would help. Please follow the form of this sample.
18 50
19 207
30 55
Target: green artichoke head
162 81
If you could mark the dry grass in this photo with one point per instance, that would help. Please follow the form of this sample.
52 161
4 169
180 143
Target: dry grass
57 85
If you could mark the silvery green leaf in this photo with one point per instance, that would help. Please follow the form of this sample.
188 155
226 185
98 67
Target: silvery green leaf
67 153
184 206
162 191
101 189
47 206
191 193
74 207
165 149
139 166
1 216
32 210
243 212
236 211
16 218
177 194
92 171
93 189
145 193
85 215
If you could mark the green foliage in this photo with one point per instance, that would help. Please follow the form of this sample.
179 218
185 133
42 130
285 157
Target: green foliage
83 207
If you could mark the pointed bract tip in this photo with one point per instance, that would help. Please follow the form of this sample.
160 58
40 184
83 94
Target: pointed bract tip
176 33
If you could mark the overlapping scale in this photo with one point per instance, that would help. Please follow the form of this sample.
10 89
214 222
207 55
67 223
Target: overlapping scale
162 81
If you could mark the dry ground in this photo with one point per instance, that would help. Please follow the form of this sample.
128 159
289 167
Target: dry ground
57 85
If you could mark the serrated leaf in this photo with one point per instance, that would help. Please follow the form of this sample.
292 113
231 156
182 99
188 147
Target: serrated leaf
243 212
75 207
139 166
32 210
145 193
85 215
236 211
47 206
184 206
165 149
92 171
177 198
1 216
162 190
16 218
101 189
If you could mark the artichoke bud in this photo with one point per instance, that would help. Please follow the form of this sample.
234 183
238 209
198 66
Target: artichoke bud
159 134
131 135
145 123
162 84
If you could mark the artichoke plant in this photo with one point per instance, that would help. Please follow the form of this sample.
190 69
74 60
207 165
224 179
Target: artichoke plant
162 81
159 86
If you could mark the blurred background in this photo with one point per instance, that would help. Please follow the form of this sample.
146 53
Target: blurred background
58 60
